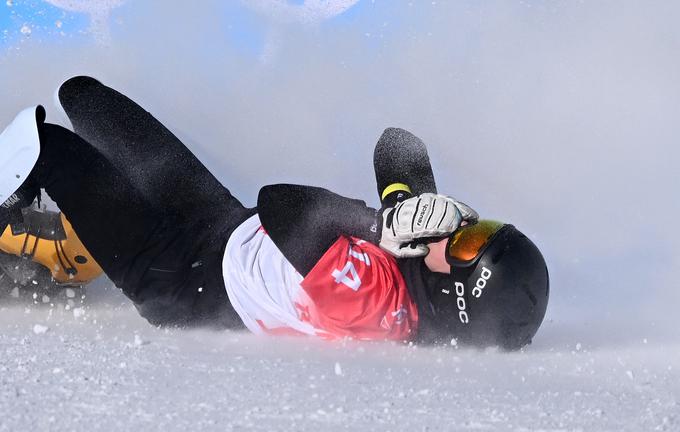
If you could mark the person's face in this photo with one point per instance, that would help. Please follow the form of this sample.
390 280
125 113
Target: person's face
435 260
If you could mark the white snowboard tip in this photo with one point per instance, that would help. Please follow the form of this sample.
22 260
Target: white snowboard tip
19 150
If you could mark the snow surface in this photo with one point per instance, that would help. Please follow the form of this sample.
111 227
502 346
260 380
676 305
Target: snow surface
107 369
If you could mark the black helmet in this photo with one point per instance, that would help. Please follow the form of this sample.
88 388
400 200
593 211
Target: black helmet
497 292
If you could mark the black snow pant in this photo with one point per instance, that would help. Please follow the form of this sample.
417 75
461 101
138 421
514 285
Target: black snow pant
165 253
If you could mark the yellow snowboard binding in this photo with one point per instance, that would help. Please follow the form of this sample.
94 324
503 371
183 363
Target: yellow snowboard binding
44 252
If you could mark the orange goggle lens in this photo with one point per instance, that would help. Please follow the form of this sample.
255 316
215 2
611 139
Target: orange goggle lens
468 241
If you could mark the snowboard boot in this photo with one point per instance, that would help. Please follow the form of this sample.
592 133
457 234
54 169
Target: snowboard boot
11 210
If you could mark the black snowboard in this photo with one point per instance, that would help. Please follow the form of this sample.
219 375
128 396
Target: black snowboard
156 162
401 157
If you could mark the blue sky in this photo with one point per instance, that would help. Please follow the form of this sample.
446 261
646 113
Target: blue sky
39 20
44 21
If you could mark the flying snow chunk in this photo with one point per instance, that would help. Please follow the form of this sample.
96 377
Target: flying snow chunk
25 30
139 341
338 369
40 329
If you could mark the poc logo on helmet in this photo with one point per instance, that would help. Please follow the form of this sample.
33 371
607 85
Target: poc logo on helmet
460 302
478 290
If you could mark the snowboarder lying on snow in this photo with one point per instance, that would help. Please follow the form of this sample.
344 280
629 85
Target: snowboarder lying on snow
304 261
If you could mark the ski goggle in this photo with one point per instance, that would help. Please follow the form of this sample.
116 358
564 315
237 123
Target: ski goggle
468 242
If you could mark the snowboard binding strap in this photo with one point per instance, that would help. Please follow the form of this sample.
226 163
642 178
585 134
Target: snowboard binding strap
395 187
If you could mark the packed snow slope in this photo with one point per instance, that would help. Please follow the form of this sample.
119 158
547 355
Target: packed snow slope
559 117
104 368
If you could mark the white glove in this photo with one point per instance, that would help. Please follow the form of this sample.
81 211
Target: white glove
426 215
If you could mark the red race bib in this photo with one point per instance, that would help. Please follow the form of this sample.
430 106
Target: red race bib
356 290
